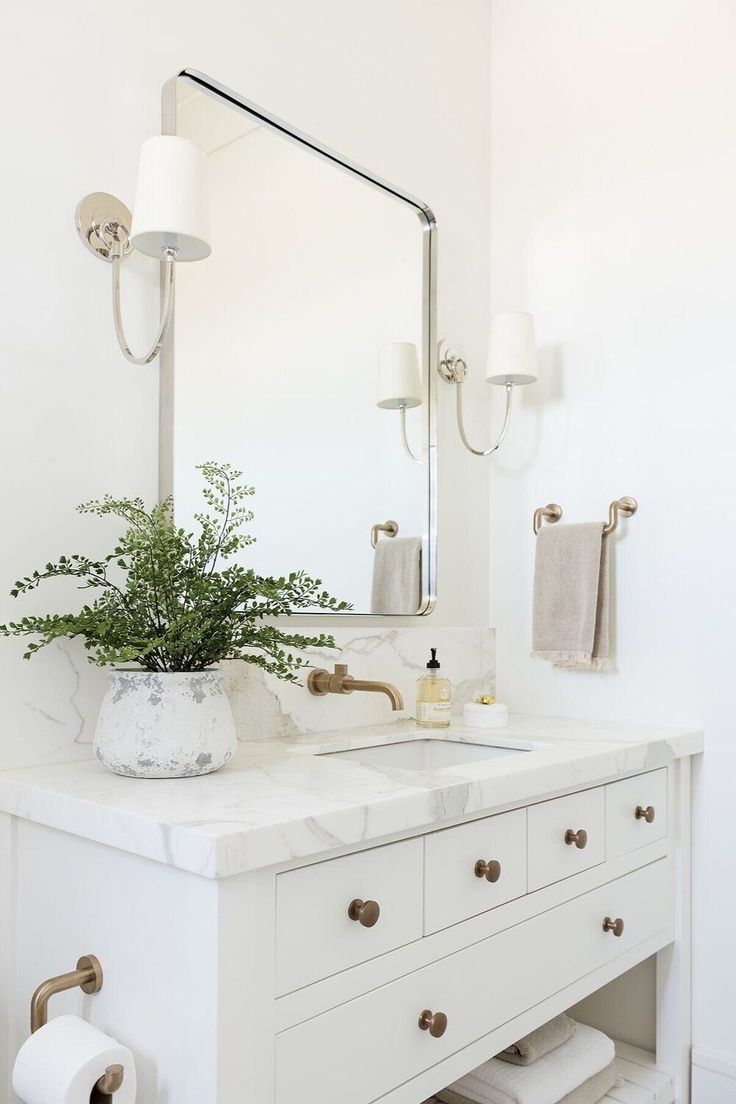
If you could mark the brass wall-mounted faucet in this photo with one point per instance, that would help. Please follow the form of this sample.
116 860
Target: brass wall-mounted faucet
321 682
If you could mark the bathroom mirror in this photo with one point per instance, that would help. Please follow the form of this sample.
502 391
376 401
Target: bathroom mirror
316 304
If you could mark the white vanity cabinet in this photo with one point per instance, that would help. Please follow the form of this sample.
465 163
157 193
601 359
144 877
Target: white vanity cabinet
377 970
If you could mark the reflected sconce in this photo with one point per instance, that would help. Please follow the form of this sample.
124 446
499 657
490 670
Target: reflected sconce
512 361
399 385
169 224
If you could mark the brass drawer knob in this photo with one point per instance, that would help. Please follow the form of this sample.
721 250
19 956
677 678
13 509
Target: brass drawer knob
490 870
645 814
615 926
364 912
433 1022
579 838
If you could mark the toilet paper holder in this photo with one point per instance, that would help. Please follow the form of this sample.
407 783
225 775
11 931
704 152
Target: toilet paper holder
88 977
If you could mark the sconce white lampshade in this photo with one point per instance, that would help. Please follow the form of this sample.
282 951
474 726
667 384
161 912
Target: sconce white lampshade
170 209
398 376
512 349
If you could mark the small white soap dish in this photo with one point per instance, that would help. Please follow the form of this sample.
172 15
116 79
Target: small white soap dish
479 715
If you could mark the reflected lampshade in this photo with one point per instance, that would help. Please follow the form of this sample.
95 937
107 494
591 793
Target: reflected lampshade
512 349
170 209
399 384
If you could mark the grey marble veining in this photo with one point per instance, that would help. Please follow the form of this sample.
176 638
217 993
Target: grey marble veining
279 801
60 692
266 707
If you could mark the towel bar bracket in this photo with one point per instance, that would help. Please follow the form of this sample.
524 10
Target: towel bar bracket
551 513
390 528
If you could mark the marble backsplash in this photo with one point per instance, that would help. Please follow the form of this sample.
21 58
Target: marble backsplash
58 694
265 707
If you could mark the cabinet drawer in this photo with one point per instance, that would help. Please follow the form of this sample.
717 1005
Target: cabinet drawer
315 935
553 853
636 812
456 886
364 1048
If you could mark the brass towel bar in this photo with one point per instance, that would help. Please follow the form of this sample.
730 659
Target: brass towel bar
620 507
88 977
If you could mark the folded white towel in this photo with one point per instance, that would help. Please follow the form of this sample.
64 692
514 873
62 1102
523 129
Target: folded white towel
545 1081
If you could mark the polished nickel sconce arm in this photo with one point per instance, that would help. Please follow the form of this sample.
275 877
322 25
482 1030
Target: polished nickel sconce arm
461 425
453 369
405 439
103 224
167 308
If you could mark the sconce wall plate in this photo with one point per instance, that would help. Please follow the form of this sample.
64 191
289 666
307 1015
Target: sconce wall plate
452 369
101 210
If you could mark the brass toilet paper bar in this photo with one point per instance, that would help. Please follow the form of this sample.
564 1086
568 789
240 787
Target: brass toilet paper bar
88 977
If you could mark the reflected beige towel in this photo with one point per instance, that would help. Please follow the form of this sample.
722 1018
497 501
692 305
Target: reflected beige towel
397 575
539 1042
571 597
591 1091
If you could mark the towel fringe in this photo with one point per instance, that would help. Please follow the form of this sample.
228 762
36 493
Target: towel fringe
575 661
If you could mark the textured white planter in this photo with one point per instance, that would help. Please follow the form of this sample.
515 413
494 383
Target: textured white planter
174 725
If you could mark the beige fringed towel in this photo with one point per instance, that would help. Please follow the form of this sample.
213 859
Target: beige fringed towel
538 1043
571 597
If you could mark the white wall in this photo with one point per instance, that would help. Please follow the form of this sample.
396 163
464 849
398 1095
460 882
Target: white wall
613 219
401 87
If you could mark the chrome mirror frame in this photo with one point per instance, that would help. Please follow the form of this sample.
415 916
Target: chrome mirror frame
428 351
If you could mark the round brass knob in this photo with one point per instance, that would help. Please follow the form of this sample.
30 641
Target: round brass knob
645 814
615 926
579 838
364 912
490 870
433 1022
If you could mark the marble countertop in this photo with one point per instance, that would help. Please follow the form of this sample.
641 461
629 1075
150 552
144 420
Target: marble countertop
283 799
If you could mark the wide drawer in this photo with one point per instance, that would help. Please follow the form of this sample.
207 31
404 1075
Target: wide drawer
566 835
315 935
363 1048
636 812
473 867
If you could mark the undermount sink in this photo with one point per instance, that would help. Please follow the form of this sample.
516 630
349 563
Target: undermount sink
428 754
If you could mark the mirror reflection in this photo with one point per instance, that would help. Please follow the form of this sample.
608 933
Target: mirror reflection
301 358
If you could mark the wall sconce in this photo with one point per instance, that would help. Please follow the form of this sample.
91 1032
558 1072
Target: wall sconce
399 385
170 223
512 361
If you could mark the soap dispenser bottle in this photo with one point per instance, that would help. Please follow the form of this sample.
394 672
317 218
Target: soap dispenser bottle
434 699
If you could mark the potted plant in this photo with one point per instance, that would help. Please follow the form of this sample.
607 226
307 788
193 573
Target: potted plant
168 604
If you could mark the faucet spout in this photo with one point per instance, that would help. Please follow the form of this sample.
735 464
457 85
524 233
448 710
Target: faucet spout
387 688
321 682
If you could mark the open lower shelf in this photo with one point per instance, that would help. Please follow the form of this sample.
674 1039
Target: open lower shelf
643 1082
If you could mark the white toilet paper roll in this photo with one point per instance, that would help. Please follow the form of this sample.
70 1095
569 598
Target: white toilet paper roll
61 1062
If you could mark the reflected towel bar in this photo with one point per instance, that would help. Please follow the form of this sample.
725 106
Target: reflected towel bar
390 528
620 507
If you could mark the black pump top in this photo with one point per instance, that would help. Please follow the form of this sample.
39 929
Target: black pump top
434 663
